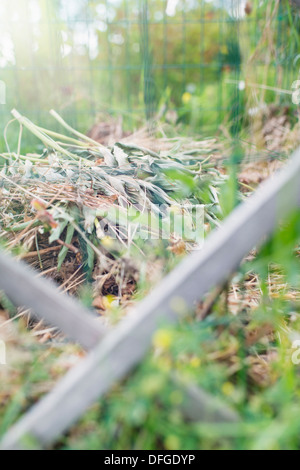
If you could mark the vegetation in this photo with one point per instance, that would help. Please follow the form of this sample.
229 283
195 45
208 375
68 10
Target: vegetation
59 190
83 58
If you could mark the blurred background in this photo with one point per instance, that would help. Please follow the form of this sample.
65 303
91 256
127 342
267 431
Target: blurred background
191 61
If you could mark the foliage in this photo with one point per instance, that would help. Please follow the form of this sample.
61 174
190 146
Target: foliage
238 344
83 58
244 357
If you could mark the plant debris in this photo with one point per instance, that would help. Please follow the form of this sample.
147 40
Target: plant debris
59 206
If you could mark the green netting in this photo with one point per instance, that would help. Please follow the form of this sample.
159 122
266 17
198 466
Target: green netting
137 57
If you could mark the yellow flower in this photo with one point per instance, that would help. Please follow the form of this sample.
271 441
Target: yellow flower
195 362
107 242
162 339
186 97
109 302
228 389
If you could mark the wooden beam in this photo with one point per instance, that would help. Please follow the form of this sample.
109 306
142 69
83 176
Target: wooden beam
24 288
122 349
198 405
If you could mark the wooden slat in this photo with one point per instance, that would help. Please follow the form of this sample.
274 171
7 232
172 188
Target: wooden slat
122 349
198 405
24 288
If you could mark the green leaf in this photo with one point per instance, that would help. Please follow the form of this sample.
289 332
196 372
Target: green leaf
56 233
90 258
64 251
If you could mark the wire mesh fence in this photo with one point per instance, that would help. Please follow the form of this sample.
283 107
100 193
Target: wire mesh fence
134 58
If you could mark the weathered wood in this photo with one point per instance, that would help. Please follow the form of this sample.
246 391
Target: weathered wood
198 405
23 288
122 349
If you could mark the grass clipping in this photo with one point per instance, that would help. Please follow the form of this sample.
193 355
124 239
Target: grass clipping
58 207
